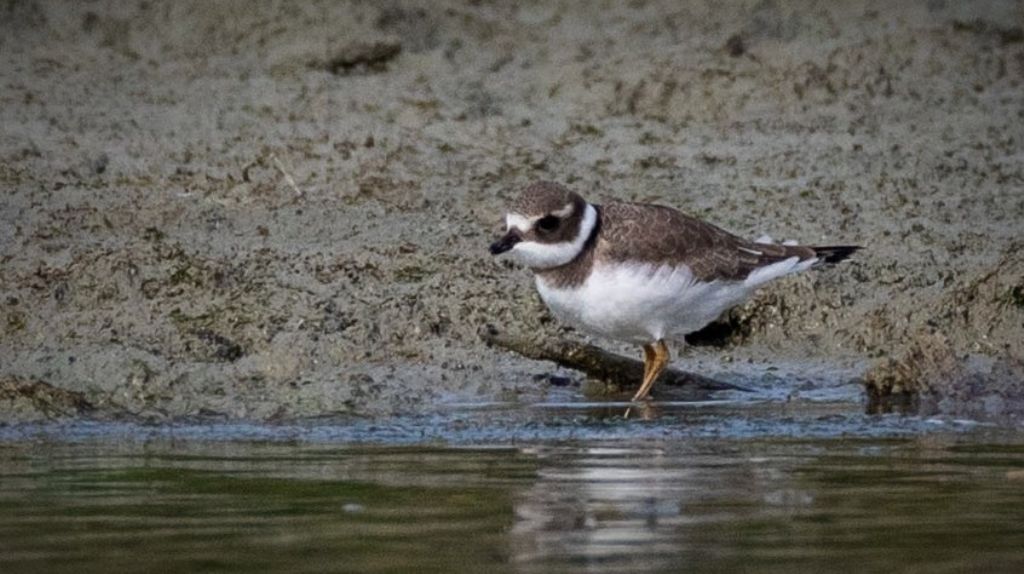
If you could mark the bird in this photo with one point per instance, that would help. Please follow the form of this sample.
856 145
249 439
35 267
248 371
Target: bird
641 273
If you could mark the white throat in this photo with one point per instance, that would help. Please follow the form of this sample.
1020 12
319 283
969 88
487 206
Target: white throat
547 255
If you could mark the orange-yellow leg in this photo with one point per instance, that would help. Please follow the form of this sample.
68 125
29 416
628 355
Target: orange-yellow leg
655 359
648 360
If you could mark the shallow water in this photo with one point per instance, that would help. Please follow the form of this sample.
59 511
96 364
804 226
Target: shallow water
568 487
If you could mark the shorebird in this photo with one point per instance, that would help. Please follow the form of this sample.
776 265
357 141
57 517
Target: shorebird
639 272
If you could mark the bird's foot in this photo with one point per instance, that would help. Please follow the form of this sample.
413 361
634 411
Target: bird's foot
645 411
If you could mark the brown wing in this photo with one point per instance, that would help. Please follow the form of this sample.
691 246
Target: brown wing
663 235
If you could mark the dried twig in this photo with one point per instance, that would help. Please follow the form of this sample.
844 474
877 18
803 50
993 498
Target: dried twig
287 176
597 363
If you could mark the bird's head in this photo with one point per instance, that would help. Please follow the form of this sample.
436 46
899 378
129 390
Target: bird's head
547 226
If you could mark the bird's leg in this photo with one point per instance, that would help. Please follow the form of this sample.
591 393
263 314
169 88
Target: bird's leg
648 359
649 355
655 359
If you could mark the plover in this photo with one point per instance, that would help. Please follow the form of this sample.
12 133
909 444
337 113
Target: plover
639 272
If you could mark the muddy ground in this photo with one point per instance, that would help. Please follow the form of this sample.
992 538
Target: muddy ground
269 210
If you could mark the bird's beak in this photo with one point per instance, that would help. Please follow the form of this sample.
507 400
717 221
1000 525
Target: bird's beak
507 242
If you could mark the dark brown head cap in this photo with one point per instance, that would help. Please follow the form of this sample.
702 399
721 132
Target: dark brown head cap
544 197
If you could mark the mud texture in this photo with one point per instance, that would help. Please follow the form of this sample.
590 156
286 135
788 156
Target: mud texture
267 210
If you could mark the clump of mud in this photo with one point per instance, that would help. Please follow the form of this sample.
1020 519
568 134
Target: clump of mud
931 378
27 400
967 361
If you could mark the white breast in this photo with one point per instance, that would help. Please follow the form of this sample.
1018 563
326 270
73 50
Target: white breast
644 303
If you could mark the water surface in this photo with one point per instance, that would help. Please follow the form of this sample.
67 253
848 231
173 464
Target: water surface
570 488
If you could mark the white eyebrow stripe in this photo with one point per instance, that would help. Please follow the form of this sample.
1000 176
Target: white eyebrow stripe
525 224
521 222
564 212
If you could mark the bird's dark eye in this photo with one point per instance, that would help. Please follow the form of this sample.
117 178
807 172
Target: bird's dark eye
548 223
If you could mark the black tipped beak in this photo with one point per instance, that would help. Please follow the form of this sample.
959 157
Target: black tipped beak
505 243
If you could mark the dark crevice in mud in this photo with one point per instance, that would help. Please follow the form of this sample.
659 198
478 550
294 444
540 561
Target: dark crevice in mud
362 58
730 330
1006 35
223 349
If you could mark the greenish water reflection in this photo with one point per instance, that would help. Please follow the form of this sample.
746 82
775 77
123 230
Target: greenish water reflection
925 504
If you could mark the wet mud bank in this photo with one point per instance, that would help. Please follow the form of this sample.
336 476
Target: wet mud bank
259 211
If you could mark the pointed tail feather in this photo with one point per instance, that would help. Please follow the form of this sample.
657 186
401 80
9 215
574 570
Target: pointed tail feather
835 253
